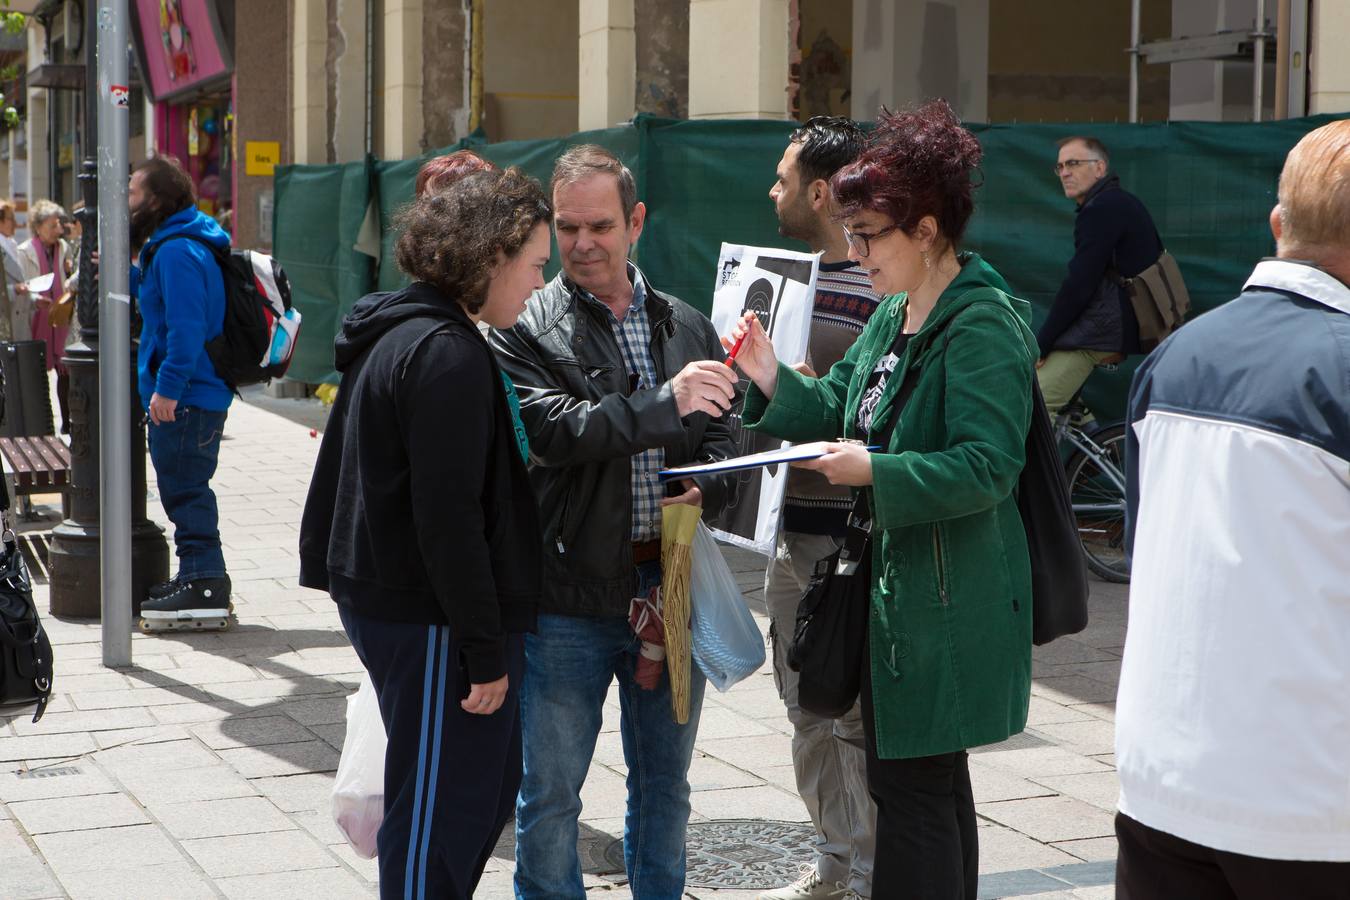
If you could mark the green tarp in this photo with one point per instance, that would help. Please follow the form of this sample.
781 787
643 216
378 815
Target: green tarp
1209 186
315 241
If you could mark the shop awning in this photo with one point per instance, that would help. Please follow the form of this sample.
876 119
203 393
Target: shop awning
181 62
70 76
60 76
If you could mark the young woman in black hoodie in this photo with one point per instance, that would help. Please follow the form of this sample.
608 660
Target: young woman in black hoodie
422 526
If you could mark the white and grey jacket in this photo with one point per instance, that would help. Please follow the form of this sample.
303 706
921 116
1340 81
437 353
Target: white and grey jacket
1233 716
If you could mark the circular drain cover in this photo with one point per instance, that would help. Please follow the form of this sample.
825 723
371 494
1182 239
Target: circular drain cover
741 853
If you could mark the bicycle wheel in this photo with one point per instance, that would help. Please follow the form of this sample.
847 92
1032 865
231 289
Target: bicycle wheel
1095 488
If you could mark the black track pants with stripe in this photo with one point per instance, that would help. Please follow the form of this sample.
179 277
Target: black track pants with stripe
450 777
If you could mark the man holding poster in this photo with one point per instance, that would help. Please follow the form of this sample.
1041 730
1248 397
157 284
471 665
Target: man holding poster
827 754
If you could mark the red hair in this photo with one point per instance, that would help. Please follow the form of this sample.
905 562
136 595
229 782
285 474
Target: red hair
443 171
917 163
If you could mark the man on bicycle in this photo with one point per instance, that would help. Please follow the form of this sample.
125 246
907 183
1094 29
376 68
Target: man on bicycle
1091 321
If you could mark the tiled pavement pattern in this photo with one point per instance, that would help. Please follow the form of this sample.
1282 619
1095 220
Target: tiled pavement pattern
204 770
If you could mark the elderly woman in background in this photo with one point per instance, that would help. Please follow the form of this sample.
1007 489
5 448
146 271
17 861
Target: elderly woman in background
48 252
941 379
422 525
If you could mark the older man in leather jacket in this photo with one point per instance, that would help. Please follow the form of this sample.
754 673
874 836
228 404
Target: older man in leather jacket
616 381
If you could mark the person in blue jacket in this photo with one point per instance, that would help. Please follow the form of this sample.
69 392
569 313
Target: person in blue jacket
181 295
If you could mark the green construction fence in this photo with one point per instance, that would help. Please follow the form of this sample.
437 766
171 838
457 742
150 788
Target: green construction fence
1209 185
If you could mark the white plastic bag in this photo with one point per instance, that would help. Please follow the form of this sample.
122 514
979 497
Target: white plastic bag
358 790
727 644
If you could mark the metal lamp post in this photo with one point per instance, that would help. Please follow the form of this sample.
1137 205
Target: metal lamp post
90 576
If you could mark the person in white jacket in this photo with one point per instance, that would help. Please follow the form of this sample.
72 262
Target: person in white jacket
13 295
1233 717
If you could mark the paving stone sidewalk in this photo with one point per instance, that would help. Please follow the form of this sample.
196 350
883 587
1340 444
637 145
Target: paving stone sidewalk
204 770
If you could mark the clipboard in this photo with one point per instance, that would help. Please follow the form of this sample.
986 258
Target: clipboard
788 454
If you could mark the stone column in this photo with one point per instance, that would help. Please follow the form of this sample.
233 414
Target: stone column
738 59
309 94
446 74
35 124
403 79
662 56
607 73
1329 80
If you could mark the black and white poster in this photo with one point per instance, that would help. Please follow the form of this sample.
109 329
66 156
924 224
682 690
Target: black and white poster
779 286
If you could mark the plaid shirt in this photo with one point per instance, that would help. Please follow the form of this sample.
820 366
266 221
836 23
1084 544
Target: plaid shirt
634 335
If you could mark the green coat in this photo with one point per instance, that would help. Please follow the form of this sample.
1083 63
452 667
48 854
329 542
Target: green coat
950 626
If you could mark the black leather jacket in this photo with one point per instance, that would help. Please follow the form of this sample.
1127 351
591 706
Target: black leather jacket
584 426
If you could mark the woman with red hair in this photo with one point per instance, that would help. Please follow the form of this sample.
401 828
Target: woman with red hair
440 172
941 378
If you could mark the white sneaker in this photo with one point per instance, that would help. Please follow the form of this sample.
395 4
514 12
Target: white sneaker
808 887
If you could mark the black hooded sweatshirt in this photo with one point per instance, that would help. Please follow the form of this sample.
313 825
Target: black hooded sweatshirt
420 509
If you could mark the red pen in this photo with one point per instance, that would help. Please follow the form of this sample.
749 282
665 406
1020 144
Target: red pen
735 348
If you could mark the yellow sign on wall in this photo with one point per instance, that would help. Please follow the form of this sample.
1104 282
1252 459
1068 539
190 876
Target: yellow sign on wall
261 157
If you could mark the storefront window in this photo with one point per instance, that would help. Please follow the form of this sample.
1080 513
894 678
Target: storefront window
184 49
198 131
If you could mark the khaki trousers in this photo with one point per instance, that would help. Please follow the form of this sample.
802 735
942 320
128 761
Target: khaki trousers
829 756
1064 373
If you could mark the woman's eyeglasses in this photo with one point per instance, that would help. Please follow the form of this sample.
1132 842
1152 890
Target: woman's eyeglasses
1060 167
861 242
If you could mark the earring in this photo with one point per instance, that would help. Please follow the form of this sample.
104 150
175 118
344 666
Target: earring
927 263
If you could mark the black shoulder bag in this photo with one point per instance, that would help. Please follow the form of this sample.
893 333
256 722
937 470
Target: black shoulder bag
25 650
1059 583
829 641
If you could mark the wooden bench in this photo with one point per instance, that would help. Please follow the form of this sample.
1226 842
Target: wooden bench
38 465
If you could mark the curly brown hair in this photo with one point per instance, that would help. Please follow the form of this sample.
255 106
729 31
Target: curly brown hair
450 238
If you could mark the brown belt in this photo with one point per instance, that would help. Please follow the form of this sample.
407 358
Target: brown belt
646 551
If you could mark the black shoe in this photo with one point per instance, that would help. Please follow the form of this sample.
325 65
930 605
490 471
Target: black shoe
163 588
207 596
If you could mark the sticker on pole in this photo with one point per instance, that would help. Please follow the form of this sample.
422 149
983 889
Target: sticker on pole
121 96
119 298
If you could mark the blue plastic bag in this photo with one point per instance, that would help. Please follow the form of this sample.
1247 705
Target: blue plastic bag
727 644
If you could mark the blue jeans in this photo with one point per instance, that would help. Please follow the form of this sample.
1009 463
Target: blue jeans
569 665
184 453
